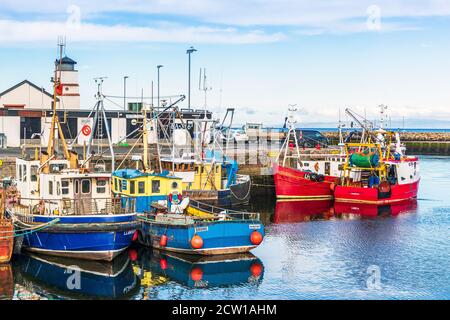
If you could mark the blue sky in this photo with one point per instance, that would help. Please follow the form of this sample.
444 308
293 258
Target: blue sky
260 55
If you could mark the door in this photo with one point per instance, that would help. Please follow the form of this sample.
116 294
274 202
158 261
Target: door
83 196
327 168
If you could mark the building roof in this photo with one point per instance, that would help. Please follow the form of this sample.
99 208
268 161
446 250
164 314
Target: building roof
66 60
26 82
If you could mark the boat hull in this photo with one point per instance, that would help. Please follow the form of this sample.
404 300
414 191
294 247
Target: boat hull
219 237
83 237
372 195
294 184
6 240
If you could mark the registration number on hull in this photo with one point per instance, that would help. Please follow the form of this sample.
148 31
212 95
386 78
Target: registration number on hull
254 226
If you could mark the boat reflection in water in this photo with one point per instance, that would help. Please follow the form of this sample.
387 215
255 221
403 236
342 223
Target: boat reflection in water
6 282
344 210
62 278
202 271
302 211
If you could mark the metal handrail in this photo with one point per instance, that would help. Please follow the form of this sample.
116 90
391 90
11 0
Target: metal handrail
217 210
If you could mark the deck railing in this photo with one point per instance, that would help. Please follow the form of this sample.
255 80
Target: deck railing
66 206
209 208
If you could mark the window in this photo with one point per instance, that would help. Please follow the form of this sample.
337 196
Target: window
155 186
33 173
174 185
24 173
58 188
85 186
50 187
141 187
19 172
123 185
77 187
132 187
65 186
101 186
115 184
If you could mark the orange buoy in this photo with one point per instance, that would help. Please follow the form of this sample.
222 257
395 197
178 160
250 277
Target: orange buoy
256 269
196 274
196 242
163 264
256 238
163 241
132 253
135 236
332 186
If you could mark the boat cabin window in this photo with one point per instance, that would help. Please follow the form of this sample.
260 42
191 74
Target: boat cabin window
123 185
141 187
33 172
65 186
132 187
156 186
50 187
116 183
85 186
174 185
77 186
57 167
58 188
19 172
101 186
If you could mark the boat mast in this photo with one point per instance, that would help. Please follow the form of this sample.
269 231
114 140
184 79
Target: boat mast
55 123
145 138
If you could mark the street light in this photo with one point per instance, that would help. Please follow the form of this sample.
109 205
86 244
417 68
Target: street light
125 92
158 67
189 51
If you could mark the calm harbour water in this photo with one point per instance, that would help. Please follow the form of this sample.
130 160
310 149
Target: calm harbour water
312 250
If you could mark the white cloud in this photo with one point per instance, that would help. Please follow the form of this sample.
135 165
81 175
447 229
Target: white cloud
41 31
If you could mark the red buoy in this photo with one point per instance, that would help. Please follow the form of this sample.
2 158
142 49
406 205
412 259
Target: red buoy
256 269
196 274
163 241
135 236
196 242
132 253
163 264
256 238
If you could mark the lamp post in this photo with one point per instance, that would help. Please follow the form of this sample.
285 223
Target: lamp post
125 93
188 52
158 67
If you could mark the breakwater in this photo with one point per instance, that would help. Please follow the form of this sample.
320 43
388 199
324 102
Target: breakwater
420 143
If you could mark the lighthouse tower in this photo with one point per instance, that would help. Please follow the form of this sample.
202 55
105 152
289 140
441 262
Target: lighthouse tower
69 90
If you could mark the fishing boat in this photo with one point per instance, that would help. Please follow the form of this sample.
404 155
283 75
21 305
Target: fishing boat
201 229
171 220
55 277
6 231
67 205
378 172
304 176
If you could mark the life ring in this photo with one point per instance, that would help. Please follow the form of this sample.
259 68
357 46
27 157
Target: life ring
384 187
316 167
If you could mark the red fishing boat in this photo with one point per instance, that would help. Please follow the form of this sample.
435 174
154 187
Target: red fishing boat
292 183
6 231
374 175
311 176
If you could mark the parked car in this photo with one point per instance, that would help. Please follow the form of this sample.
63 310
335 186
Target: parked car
310 138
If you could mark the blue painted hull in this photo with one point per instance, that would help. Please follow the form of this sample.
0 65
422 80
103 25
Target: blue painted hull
56 276
219 237
89 237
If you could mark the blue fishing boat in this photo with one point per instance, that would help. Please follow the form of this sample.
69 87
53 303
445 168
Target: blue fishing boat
57 277
64 206
201 229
